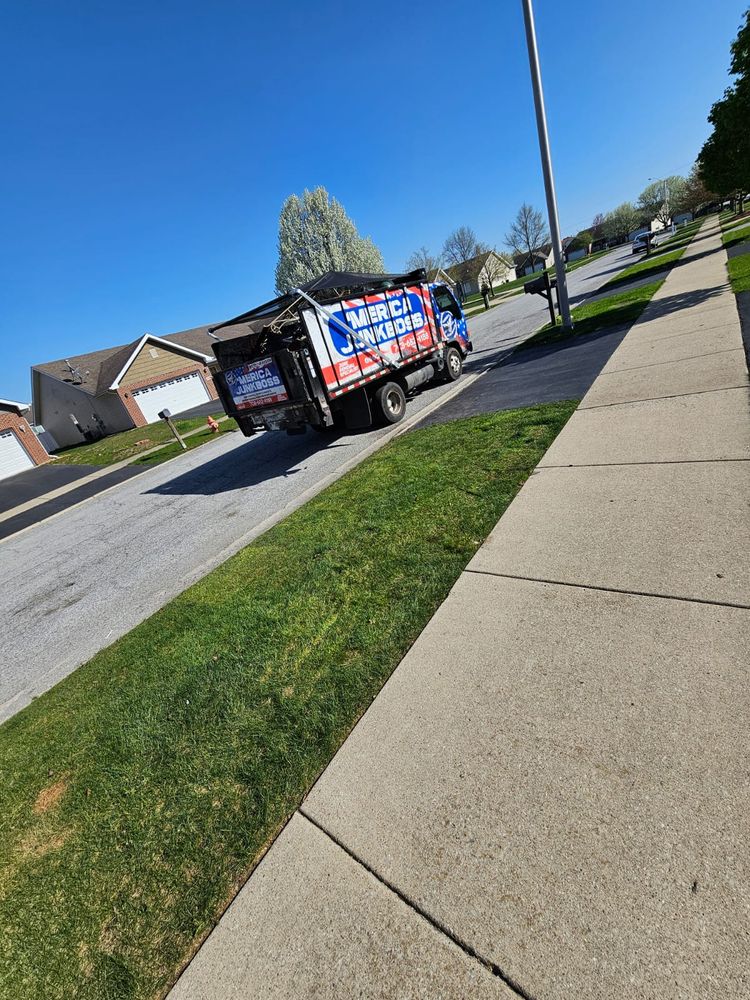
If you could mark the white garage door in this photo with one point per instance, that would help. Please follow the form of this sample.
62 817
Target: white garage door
176 395
13 456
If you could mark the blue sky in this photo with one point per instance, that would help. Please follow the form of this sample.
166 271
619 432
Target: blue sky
148 146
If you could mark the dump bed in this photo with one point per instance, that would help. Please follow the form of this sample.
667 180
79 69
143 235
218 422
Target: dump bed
398 323
321 360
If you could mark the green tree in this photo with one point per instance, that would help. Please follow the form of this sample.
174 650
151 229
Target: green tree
621 221
316 235
724 160
695 195
659 199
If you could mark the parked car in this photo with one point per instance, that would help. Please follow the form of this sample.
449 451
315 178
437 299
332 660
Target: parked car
642 243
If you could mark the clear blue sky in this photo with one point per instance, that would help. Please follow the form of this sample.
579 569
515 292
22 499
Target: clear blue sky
147 147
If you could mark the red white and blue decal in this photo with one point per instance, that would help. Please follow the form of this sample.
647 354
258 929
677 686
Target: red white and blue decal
257 383
399 322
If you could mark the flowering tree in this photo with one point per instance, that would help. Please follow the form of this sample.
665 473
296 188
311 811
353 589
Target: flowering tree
316 235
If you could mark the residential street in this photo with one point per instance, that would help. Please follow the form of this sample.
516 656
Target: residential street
78 581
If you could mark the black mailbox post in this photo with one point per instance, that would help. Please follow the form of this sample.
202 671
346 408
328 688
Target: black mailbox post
543 286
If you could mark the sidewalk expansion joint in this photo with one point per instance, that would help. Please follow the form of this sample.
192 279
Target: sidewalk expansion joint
612 590
671 395
436 924
678 361
615 465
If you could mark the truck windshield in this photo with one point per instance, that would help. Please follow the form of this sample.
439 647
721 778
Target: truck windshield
445 301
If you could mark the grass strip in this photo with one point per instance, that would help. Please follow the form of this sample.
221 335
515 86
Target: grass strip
139 792
735 236
194 441
730 220
118 447
646 268
739 273
620 309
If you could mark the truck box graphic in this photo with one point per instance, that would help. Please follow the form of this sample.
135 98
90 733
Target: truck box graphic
399 322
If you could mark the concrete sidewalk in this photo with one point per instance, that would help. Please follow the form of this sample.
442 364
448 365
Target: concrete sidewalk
549 798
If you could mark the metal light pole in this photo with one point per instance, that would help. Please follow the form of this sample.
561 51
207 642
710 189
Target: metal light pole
549 183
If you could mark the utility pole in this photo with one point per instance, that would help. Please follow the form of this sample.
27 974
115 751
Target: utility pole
549 182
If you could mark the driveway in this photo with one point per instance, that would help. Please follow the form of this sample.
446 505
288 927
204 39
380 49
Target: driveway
76 582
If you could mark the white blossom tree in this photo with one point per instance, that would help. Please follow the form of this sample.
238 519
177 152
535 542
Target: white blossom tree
316 235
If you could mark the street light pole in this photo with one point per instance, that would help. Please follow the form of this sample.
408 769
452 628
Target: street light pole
549 183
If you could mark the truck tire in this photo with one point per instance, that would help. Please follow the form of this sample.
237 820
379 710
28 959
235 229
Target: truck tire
454 364
390 403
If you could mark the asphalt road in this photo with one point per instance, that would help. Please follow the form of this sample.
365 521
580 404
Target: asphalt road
76 582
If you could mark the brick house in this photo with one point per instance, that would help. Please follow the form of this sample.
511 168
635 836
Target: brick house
20 449
89 396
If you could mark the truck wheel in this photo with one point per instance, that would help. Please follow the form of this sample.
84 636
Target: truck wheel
390 402
454 364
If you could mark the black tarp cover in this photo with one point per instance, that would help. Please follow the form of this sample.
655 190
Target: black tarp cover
353 281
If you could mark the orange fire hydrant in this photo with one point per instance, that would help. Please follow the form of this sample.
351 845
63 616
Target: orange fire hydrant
213 424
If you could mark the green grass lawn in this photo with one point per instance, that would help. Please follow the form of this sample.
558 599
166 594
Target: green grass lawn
739 273
118 447
141 790
614 310
646 268
735 236
194 441
729 220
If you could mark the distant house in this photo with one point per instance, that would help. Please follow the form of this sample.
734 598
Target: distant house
539 260
20 448
439 276
573 249
89 396
681 218
489 268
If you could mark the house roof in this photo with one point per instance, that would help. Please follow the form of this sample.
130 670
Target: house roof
472 267
100 369
14 405
542 253
439 274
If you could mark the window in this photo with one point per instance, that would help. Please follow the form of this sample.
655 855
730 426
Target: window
445 301
153 352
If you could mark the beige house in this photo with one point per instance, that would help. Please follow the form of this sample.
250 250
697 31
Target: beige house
490 268
89 396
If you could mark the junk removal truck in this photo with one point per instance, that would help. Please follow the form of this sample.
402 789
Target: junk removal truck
343 351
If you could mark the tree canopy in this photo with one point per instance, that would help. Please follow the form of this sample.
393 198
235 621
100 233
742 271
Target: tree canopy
621 221
724 160
461 245
660 199
528 231
316 235
423 258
